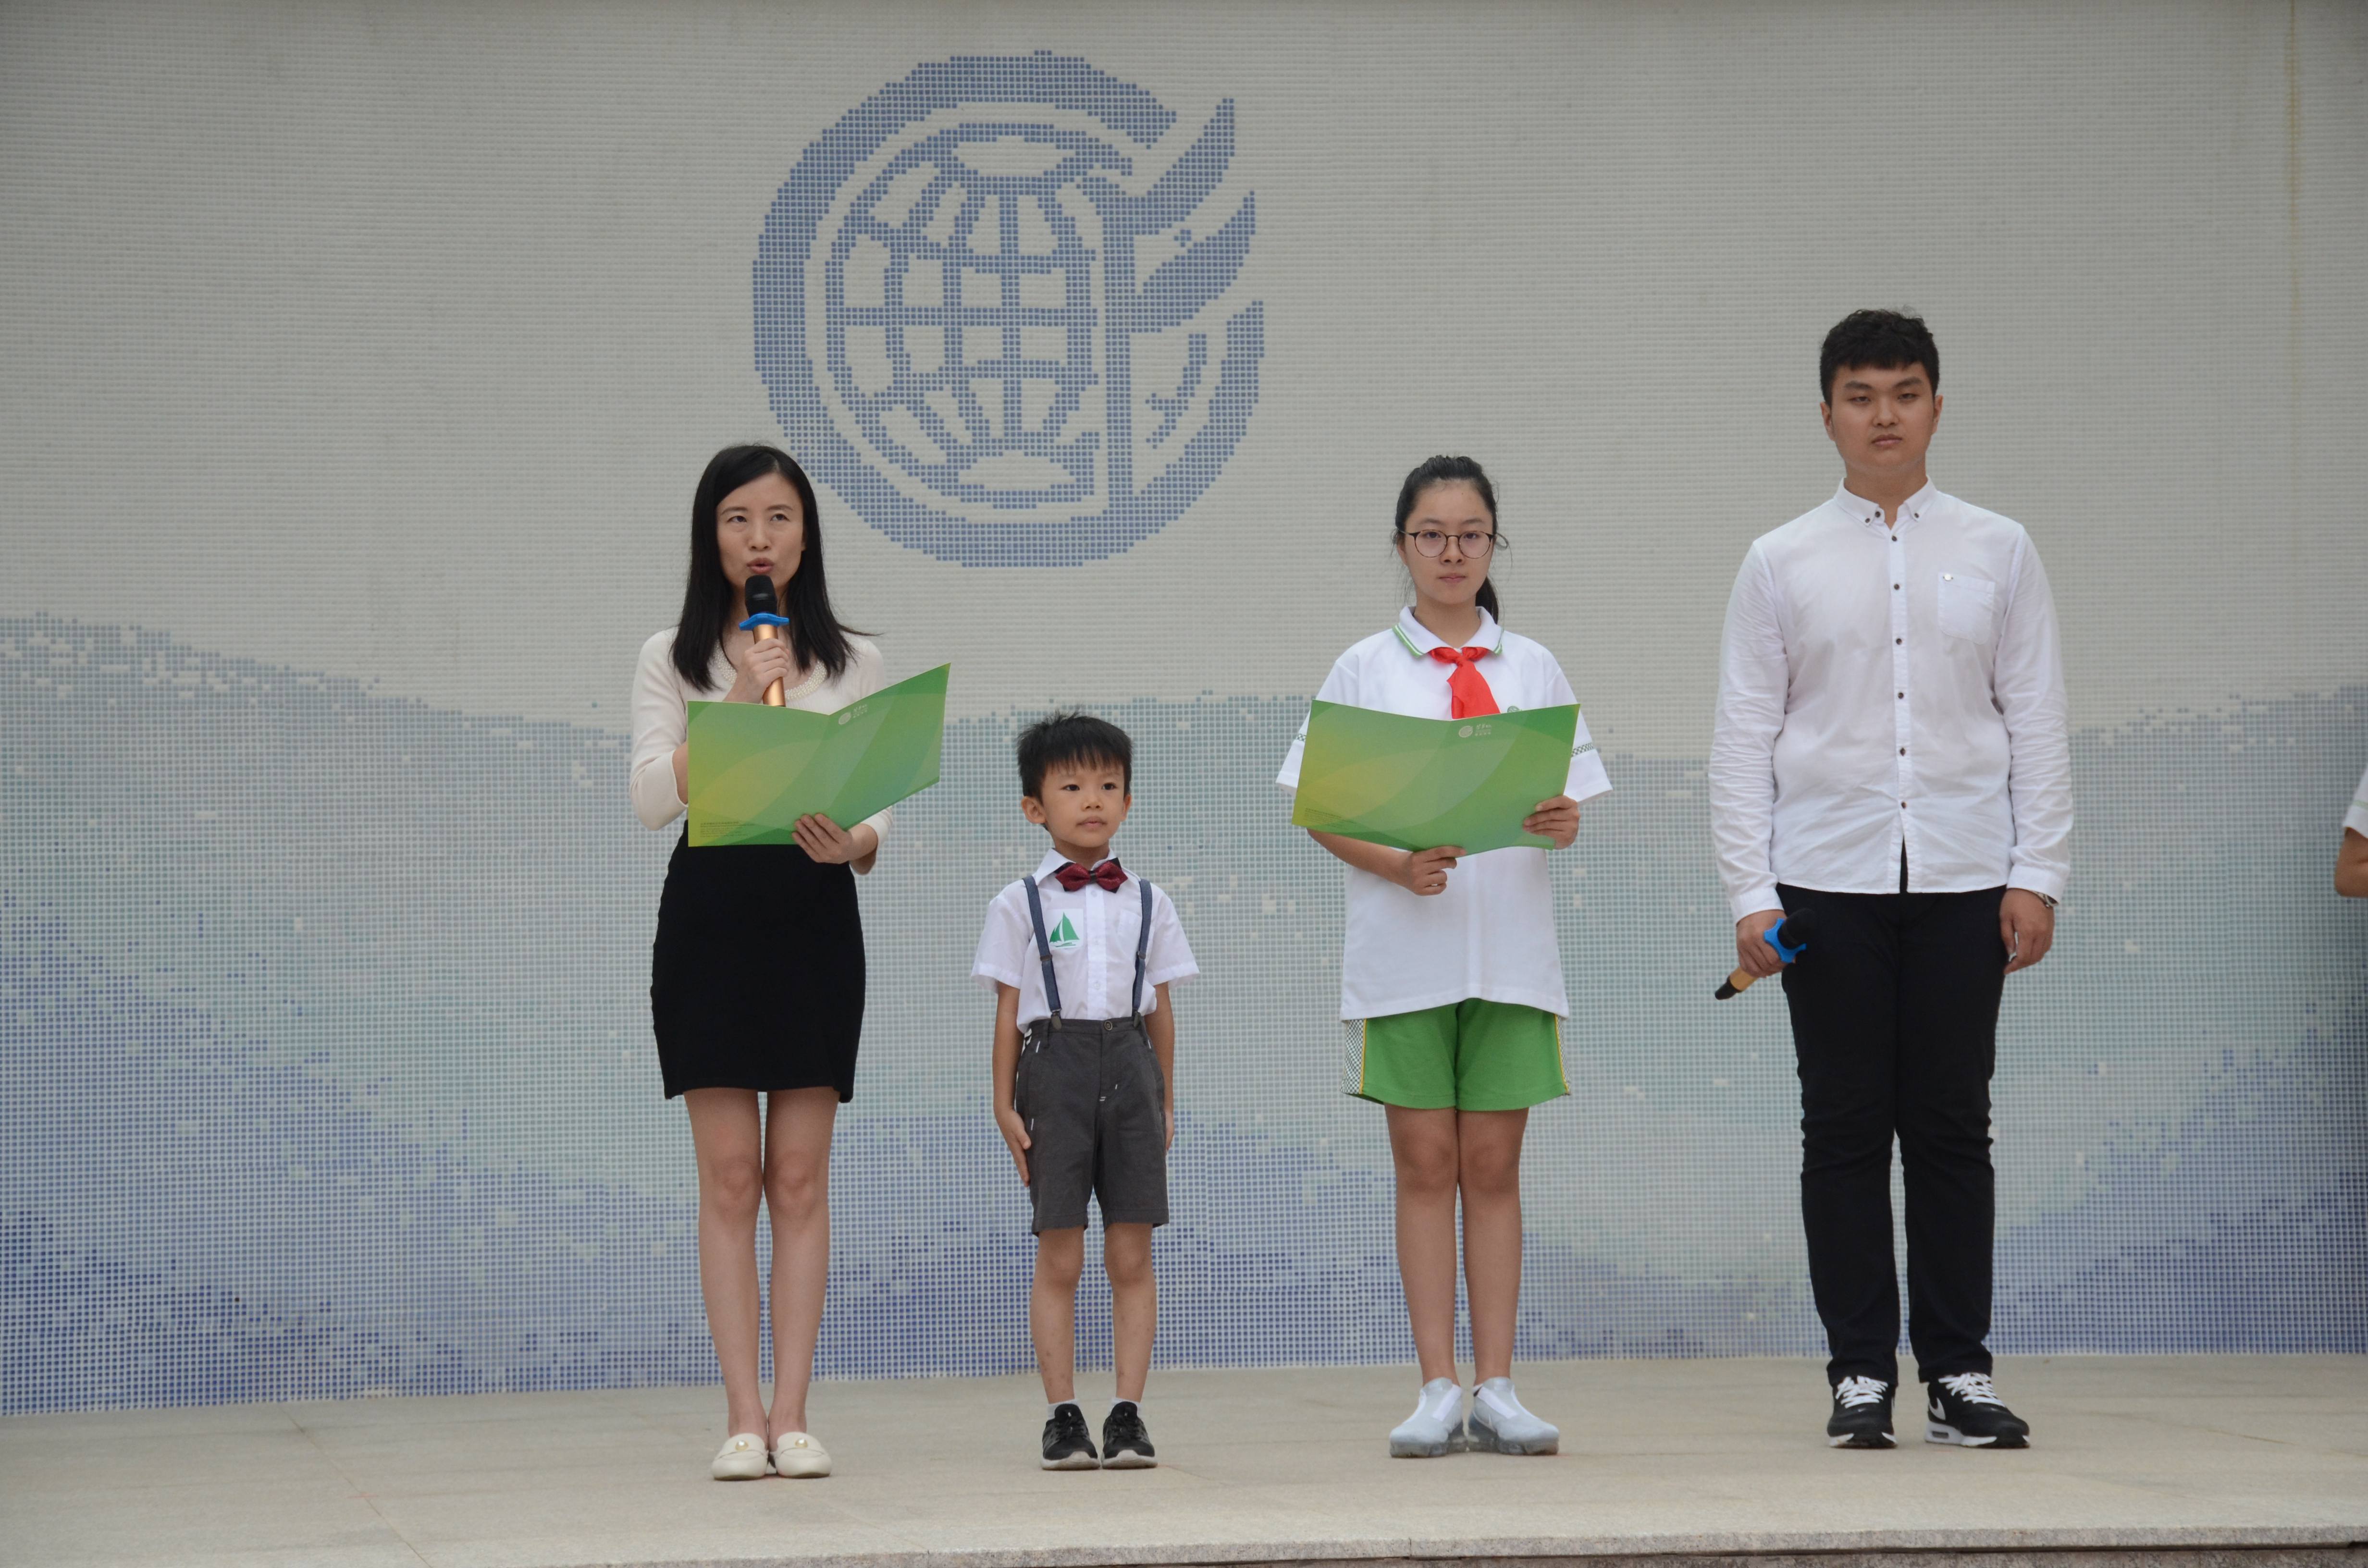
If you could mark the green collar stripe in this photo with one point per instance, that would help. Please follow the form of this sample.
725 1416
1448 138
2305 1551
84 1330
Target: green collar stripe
1496 647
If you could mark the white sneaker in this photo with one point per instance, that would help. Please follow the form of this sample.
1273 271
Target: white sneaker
742 1458
1435 1427
1500 1424
799 1456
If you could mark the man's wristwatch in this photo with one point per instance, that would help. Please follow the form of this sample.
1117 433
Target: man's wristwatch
2050 900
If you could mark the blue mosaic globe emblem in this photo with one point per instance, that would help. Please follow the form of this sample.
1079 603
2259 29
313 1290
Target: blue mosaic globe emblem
997 310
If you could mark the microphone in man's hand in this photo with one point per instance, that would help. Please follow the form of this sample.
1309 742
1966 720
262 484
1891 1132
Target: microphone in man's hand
766 621
1788 936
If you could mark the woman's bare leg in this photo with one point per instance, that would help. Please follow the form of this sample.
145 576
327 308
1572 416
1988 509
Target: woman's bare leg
725 1139
1423 1150
797 1195
1488 1147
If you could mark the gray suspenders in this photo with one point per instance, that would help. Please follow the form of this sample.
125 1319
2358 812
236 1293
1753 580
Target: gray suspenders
1044 949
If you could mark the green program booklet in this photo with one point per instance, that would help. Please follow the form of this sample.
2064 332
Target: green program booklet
755 770
1419 783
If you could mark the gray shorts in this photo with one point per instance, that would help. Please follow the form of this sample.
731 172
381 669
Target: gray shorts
1095 1105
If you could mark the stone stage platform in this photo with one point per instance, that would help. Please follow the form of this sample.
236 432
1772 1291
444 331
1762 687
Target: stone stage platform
2167 1459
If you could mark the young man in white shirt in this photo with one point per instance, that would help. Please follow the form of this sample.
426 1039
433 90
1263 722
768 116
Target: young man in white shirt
1890 748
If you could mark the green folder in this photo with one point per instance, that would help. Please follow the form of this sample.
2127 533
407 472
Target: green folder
755 770
1419 783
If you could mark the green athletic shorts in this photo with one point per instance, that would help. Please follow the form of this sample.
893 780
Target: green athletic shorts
1468 1055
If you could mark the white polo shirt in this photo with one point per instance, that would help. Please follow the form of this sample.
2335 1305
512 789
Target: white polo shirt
1491 933
1091 932
2356 819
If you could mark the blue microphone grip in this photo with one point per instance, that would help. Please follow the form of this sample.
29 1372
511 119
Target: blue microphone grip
1774 937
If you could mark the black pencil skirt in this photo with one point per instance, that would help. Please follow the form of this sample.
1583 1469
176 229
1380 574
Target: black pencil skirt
757 976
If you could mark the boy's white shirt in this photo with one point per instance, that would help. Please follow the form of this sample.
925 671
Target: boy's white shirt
2356 818
1095 972
1491 933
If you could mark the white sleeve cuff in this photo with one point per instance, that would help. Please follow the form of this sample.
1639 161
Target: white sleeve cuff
1754 902
2047 884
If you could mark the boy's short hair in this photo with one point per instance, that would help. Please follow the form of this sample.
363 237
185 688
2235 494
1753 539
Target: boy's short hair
1881 340
1070 739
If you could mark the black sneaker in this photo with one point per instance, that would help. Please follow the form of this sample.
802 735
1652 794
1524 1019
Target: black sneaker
1067 1446
1861 1418
1125 1444
1966 1410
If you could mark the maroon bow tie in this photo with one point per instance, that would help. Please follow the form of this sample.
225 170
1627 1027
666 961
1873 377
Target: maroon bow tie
1072 876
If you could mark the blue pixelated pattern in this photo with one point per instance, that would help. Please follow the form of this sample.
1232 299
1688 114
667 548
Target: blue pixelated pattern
1017 321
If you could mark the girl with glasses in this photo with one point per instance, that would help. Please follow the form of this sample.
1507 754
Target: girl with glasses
1450 981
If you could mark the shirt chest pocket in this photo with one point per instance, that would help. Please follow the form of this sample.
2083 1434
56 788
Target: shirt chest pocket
1968 606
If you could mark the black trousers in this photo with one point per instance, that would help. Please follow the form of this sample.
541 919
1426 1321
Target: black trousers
1895 1023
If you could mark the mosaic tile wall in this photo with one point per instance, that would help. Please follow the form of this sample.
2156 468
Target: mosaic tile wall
324 1054
318 1086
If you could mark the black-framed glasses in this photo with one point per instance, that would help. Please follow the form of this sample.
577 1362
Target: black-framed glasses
1432 543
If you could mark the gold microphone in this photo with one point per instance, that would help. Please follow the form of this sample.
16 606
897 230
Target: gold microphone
765 619
1788 936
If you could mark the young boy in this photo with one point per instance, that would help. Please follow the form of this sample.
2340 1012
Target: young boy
1080 954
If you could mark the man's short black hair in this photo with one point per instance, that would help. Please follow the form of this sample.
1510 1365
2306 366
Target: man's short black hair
1881 340
1072 740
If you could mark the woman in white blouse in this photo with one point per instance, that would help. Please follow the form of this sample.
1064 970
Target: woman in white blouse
756 975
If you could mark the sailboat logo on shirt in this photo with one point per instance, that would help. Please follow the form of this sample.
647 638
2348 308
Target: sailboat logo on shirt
1064 937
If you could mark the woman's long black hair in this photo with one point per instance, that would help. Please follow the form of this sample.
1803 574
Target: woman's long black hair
816 635
1443 470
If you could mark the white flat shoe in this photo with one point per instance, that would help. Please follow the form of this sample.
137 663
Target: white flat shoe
799 1456
742 1458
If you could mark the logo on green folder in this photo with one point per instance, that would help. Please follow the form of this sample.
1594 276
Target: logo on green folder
1064 936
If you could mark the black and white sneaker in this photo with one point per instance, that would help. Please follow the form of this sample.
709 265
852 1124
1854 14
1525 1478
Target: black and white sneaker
1068 1445
1966 1410
1861 1418
1126 1445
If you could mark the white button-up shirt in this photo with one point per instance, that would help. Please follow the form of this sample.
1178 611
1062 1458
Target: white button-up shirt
1091 932
2355 820
1491 933
1890 682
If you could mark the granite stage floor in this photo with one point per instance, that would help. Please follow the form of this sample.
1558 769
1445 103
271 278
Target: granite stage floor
2160 1460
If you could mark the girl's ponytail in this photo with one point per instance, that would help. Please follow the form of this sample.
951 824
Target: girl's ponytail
1439 471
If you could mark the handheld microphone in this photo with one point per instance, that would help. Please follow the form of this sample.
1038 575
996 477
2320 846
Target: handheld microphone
766 621
1788 936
